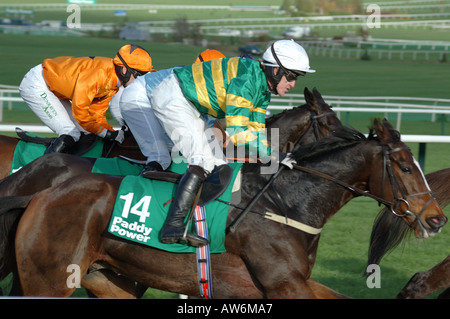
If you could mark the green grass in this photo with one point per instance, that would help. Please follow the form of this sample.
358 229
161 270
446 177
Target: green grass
333 77
343 247
94 16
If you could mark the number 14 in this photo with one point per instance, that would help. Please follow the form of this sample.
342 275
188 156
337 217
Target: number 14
140 208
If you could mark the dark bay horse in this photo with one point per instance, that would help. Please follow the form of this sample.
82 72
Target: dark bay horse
388 233
301 125
270 259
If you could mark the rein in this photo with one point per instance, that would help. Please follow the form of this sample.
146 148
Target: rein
392 205
343 184
387 167
317 133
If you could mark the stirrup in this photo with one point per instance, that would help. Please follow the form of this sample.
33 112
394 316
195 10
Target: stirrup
186 237
194 240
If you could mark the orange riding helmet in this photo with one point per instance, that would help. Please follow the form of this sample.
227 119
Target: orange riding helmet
209 55
135 58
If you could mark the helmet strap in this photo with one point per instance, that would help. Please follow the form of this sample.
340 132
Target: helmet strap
123 77
273 78
129 70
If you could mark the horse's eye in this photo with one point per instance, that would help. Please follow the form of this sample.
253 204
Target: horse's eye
406 169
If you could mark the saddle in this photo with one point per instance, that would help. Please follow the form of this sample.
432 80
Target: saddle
214 186
86 142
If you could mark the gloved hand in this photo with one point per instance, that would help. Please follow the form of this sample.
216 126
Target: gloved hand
288 160
118 136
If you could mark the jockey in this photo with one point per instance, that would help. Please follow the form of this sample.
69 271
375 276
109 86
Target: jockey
236 89
153 141
71 94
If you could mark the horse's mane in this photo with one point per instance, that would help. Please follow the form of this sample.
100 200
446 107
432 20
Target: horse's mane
387 233
342 138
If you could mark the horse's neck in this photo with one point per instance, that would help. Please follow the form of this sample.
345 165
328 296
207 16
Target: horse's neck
291 125
314 200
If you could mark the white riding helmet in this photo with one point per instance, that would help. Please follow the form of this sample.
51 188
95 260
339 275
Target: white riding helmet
290 54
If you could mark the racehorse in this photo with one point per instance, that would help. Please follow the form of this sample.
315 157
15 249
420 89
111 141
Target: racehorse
301 125
385 238
69 221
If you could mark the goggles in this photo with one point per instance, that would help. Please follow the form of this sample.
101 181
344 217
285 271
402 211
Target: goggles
290 75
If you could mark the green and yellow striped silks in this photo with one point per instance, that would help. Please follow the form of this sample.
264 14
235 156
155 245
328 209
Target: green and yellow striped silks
230 88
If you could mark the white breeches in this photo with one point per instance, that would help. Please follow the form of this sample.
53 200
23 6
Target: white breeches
114 107
175 115
185 125
53 112
138 115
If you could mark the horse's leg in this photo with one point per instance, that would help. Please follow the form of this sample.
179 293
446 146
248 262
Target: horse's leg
324 292
426 282
59 236
281 267
105 283
231 278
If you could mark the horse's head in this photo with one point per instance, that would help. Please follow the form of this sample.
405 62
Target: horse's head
401 182
326 118
304 124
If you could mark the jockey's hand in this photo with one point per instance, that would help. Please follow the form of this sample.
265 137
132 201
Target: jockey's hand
118 136
288 160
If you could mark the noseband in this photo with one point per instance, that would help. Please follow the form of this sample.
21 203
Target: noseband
397 201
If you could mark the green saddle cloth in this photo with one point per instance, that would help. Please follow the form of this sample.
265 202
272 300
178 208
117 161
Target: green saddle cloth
142 205
26 152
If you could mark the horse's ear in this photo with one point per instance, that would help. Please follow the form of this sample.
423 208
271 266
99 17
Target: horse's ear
393 133
383 129
387 124
309 98
318 96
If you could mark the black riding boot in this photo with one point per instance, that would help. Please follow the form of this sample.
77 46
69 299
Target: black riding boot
62 144
151 167
188 187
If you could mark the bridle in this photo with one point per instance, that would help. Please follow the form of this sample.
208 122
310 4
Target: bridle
393 205
314 125
396 188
